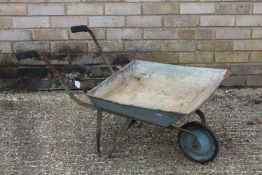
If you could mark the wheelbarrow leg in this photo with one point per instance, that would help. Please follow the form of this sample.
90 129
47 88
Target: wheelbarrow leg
128 123
201 115
98 130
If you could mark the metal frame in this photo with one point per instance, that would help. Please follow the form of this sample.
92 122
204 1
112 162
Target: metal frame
196 143
128 123
201 116
98 130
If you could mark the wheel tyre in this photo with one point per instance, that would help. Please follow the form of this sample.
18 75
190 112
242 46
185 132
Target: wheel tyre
209 145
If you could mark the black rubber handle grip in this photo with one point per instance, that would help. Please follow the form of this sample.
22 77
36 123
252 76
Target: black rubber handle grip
81 28
26 54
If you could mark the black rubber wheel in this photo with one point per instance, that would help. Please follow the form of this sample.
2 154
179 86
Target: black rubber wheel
208 145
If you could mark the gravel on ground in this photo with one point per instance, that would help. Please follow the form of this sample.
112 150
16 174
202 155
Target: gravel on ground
47 133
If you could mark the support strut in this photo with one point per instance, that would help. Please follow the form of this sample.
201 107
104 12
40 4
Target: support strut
201 115
196 143
128 123
98 130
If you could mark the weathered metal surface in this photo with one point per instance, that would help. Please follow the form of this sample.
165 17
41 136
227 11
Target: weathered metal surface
156 93
157 117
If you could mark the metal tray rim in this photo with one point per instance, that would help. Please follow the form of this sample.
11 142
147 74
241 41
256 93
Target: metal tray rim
212 90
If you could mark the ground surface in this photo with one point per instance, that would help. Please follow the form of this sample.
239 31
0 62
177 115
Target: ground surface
46 133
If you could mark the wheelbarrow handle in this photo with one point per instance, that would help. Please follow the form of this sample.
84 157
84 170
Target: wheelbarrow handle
84 28
27 54
63 81
81 28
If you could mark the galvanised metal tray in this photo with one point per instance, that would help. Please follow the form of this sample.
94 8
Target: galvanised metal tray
156 93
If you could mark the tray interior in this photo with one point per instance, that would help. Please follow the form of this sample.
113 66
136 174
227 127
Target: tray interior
179 89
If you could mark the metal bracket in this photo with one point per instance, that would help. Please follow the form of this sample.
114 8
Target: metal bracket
201 115
196 143
128 123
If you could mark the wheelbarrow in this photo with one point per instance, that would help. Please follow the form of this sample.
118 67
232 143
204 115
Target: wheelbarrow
155 93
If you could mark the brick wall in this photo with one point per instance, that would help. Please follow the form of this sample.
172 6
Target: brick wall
199 32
